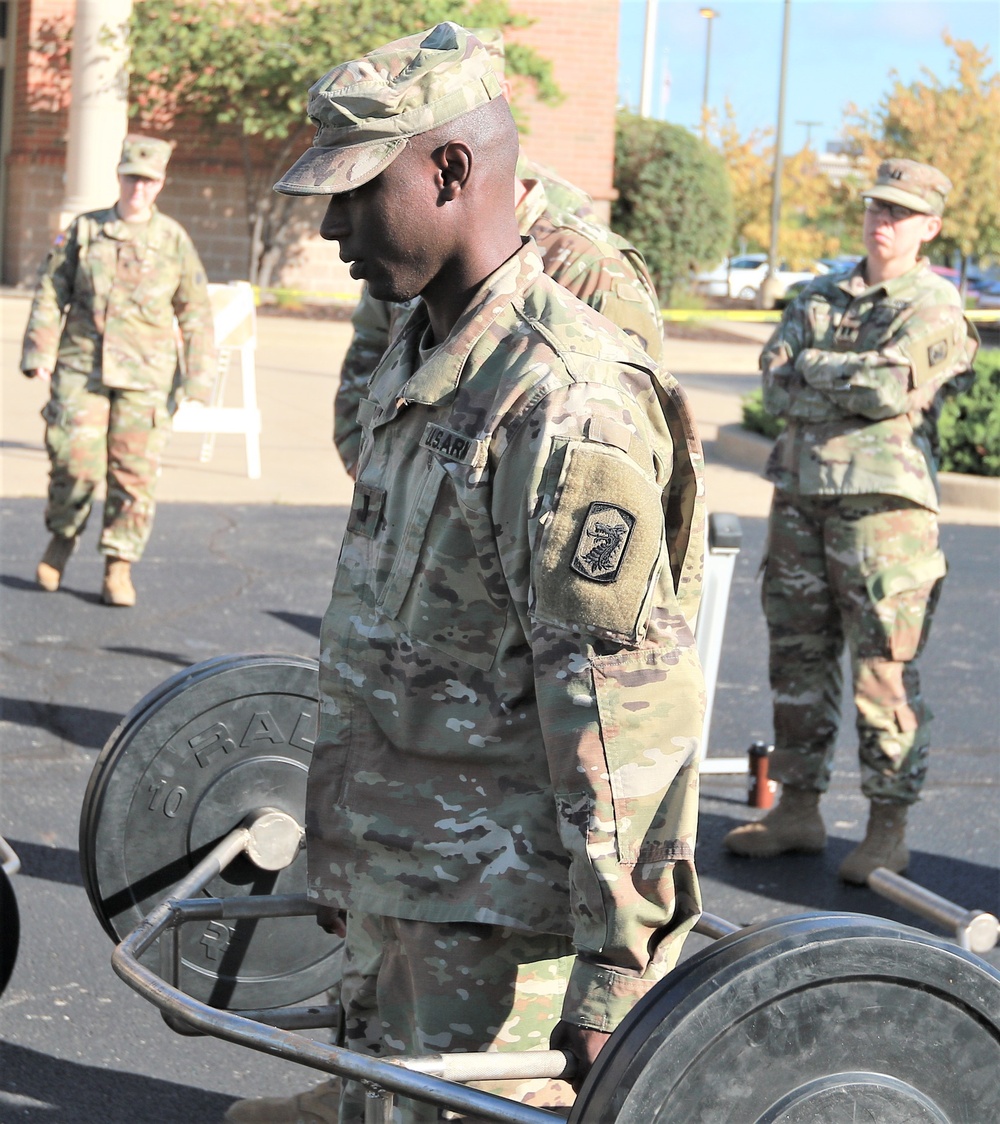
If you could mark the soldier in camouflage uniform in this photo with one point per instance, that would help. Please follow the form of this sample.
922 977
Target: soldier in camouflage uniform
855 368
577 250
503 793
101 331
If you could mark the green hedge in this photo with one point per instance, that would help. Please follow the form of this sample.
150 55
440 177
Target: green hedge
969 427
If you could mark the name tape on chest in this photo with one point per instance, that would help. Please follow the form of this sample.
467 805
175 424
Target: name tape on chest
604 538
454 446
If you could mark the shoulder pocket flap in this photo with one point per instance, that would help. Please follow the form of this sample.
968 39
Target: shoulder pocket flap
599 554
905 576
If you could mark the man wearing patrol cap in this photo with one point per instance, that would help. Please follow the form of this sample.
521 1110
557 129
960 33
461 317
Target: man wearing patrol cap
855 368
599 266
503 792
101 332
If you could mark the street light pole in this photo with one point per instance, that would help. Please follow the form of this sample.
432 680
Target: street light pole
709 14
768 292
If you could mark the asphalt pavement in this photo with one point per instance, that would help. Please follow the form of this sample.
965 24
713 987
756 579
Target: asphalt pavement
238 566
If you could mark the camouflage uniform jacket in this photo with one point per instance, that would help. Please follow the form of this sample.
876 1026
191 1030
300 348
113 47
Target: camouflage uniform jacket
509 682
594 263
855 370
106 302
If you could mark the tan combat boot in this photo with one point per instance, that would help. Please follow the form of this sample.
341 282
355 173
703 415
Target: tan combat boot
50 569
319 1105
883 845
118 589
794 825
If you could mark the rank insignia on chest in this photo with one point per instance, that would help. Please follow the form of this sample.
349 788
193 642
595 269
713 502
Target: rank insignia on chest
604 538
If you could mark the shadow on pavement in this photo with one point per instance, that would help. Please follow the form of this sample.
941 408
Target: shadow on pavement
84 726
36 1086
153 654
54 864
302 621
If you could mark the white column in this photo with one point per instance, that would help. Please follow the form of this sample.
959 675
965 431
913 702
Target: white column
98 111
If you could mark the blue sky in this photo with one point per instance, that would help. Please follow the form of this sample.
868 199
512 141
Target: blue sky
840 51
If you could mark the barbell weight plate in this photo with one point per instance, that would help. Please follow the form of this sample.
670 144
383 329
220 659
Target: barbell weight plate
10 929
818 1017
227 738
119 737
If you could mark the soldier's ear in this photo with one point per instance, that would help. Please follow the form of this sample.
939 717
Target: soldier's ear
932 229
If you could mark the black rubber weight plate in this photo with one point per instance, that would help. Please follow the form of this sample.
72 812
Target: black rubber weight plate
830 1018
10 929
187 765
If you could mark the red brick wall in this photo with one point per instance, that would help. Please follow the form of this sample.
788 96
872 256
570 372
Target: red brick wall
204 187
577 137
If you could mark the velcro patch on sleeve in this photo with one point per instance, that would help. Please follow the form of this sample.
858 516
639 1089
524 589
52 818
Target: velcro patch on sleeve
599 554
931 354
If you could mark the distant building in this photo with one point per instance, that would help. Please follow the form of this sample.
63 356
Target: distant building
838 161
205 182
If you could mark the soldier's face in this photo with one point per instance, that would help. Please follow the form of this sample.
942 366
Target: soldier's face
897 239
386 228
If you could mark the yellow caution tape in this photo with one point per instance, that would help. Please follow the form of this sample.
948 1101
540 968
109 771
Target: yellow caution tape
677 315
762 316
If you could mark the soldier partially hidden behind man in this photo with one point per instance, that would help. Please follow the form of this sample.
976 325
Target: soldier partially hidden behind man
101 331
502 798
856 368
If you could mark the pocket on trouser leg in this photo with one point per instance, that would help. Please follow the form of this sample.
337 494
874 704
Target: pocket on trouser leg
904 597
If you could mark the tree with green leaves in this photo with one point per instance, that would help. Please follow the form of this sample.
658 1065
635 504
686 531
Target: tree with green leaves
246 65
674 199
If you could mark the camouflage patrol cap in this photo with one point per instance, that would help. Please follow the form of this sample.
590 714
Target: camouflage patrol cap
365 111
492 39
920 187
144 156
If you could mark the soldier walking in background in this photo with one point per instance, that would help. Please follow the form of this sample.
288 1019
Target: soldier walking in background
101 331
855 368
586 257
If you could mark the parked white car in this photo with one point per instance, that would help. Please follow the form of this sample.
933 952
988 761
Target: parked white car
741 277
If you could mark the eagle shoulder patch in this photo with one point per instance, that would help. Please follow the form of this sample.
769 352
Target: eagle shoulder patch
604 538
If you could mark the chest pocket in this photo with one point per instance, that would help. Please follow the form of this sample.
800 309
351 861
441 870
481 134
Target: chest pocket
446 587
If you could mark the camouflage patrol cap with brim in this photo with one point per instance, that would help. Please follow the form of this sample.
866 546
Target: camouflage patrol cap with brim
366 110
921 187
144 156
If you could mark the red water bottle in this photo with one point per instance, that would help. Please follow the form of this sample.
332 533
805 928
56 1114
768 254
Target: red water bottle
760 789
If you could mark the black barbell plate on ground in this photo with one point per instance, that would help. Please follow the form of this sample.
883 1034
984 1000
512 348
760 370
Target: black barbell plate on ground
819 1017
10 929
226 739
119 737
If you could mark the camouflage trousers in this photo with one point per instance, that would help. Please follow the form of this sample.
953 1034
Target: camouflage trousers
417 987
97 433
865 571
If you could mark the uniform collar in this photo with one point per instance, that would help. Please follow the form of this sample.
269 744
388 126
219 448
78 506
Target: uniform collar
118 228
855 285
532 206
438 378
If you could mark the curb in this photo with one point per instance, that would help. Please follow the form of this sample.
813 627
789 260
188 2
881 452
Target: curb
743 449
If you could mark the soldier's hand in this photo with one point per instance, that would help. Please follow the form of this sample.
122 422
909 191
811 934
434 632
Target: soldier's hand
41 373
583 1043
332 920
